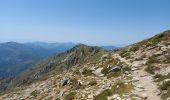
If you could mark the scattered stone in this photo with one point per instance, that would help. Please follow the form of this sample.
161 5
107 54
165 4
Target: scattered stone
135 79
144 95
115 69
65 81
97 72
134 69
90 96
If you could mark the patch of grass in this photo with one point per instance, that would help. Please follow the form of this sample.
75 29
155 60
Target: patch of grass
70 96
150 69
75 84
105 70
120 88
152 60
165 85
57 99
87 72
135 48
35 93
77 72
156 39
160 77
123 52
103 95
92 83
166 95
114 74
124 69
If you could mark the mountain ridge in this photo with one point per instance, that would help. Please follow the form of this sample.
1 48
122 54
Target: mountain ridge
139 71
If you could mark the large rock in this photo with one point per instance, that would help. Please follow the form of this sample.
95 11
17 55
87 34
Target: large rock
65 81
98 72
115 69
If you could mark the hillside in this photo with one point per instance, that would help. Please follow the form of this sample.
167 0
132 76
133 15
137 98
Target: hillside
78 55
137 72
16 57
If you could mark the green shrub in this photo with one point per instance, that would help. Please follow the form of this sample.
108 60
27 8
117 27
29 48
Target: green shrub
156 39
165 85
114 74
105 70
35 93
135 47
118 88
150 69
152 60
166 95
87 72
75 84
70 96
162 77
103 95
124 69
123 52
92 83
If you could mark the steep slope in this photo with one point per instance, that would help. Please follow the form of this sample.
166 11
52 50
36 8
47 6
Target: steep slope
78 55
136 72
152 59
16 57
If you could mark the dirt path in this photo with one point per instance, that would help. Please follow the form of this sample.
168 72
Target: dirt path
150 87
145 81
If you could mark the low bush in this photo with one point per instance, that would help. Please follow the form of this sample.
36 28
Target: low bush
87 72
150 69
92 83
35 93
103 95
166 95
114 74
70 96
160 77
165 85
120 88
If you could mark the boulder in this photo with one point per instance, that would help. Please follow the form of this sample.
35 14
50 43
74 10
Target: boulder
115 69
65 81
97 72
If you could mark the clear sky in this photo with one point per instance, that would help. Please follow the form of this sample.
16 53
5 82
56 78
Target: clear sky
98 22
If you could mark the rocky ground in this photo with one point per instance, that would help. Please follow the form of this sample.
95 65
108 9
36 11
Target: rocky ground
125 74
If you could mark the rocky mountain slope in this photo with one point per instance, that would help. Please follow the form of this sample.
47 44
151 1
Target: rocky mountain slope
136 72
16 57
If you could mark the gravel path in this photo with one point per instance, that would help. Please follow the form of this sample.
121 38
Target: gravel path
145 81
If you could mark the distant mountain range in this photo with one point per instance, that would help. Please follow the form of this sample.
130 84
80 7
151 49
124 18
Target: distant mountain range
16 57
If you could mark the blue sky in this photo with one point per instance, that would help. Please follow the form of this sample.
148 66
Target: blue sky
98 22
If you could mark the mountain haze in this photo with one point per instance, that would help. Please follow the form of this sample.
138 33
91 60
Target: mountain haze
15 57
